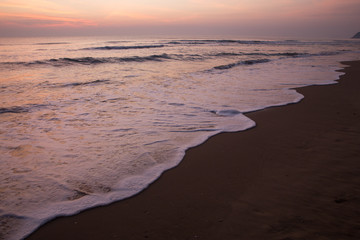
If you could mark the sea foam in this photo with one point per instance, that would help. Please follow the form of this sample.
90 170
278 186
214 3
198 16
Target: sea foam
87 122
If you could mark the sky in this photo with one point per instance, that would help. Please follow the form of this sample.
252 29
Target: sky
288 18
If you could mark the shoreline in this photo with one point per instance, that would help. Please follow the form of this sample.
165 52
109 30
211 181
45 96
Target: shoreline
296 175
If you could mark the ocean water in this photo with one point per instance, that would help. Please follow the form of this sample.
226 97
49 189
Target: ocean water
88 121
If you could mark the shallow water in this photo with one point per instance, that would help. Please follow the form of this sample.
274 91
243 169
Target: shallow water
88 121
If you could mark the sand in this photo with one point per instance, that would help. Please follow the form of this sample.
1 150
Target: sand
296 175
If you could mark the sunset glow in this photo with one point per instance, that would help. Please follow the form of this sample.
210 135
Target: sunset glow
310 17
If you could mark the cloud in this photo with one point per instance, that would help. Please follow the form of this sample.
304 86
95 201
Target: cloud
33 20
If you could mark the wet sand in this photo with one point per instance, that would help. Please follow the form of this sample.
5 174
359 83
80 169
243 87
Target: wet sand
296 175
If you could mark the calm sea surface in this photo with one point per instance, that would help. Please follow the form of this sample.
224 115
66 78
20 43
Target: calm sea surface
88 121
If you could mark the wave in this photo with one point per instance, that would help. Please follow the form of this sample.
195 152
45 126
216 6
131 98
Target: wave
258 42
190 42
67 61
123 47
226 54
188 57
48 84
59 62
52 43
222 41
246 62
21 109
117 41
91 83
286 54
15 109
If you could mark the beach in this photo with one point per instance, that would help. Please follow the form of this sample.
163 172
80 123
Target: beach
296 175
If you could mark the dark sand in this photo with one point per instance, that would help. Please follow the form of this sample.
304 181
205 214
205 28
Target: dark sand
294 176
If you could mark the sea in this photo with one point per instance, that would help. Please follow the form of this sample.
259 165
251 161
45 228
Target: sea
86 121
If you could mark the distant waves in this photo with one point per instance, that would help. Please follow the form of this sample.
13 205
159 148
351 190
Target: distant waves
67 61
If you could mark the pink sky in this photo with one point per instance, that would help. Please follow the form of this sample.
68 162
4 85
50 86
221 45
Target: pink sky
298 18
